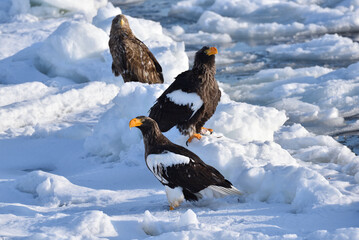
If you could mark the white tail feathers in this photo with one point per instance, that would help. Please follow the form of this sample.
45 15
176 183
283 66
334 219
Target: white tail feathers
214 191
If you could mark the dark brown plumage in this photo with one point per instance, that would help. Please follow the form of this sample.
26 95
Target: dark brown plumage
184 175
131 57
196 85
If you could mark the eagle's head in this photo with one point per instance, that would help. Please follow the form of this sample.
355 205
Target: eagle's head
143 123
205 55
120 22
152 135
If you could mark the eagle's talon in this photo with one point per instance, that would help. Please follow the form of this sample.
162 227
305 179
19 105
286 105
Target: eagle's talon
196 135
210 130
172 208
205 130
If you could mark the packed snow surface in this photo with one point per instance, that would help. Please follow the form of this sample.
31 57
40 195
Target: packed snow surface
71 168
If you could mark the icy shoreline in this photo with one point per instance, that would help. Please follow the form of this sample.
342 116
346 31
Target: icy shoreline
71 167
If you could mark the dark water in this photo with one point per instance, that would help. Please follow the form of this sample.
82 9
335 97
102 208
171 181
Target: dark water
156 10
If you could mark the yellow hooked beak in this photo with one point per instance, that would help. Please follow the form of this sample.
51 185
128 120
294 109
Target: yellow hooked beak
211 51
122 22
135 122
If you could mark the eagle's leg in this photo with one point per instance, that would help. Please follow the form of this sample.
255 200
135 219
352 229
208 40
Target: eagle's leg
174 196
176 203
204 130
196 135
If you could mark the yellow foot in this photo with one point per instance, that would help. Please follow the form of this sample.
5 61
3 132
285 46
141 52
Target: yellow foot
172 208
196 135
207 129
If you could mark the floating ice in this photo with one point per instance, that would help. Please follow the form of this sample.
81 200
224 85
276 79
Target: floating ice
267 19
58 7
317 97
328 47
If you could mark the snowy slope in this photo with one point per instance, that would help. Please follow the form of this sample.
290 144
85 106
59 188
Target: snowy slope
72 169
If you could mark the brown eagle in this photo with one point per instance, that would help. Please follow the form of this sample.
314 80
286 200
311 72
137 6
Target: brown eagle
131 57
184 175
191 99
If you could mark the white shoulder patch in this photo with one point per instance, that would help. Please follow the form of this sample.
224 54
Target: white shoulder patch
182 98
166 159
158 163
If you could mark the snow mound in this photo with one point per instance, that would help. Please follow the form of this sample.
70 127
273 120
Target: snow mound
153 226
23 92
232 119
246 122
74 51
75 41
54 191
188 218
112 135
84 225
259 170
338 234
328 47
48 105
104 16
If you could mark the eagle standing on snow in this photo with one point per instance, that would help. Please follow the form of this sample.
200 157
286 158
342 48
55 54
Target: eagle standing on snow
184 174
191 99
131 57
